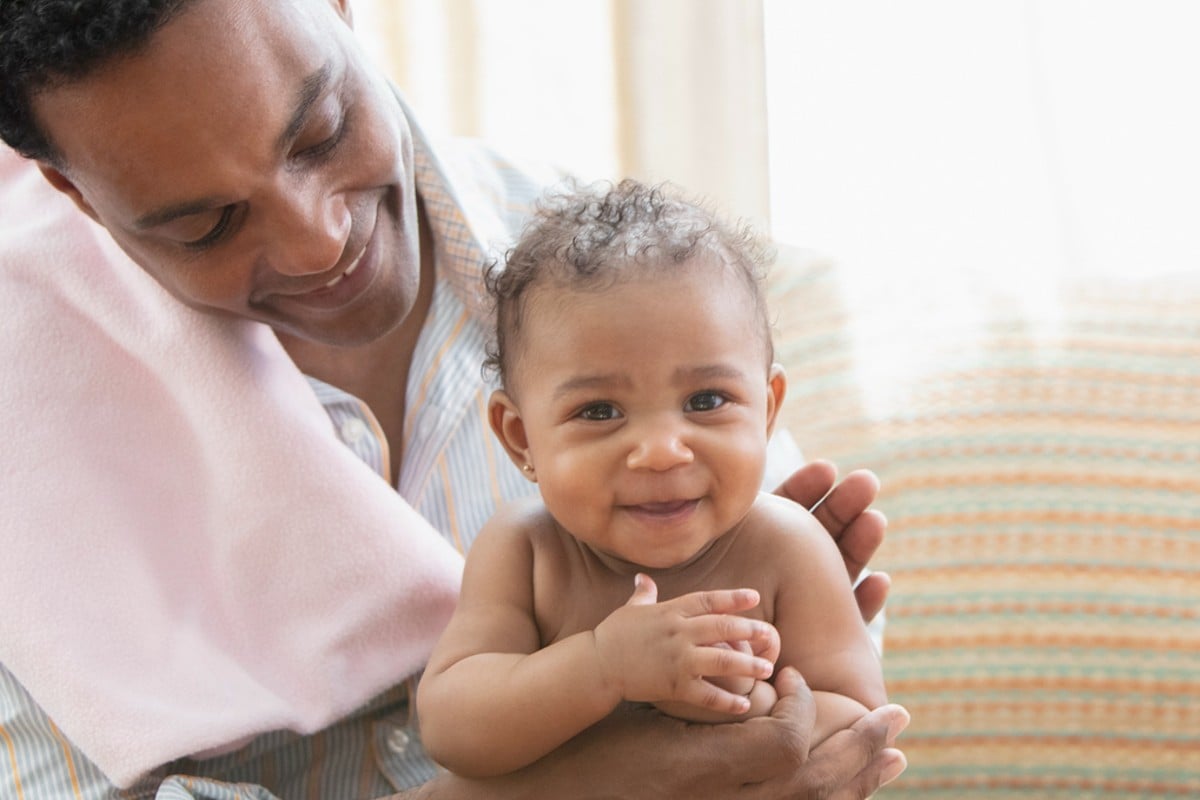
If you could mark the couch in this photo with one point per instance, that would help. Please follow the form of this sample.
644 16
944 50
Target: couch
1040 471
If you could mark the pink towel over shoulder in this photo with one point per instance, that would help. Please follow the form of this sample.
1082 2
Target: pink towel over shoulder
190 557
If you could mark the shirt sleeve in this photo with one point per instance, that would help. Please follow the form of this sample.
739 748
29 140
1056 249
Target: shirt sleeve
39 761
374 753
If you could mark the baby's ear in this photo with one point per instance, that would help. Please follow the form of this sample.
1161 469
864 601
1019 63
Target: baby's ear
506 422
776 389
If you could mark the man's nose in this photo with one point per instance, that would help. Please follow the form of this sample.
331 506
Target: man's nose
659 446
313 226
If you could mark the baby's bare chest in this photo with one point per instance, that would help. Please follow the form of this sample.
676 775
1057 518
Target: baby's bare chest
574 591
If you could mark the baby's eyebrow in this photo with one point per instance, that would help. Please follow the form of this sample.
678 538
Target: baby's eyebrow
590 382
708 372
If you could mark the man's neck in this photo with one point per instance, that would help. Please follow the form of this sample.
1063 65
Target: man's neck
376 372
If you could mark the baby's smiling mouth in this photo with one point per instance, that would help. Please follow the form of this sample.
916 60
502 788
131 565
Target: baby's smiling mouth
664 509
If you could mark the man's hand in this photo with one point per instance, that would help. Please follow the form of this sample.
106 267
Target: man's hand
640 753
846 513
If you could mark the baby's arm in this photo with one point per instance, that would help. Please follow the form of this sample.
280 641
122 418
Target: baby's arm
491 701
821 631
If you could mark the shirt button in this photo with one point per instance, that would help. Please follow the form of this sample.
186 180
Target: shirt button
353 430
397 741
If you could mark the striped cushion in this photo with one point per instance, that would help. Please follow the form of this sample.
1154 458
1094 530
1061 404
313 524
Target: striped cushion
1042 482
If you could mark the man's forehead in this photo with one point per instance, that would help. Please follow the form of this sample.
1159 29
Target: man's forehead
198 93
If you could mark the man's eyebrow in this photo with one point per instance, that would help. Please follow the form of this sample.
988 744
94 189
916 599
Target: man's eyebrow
312 89
310 92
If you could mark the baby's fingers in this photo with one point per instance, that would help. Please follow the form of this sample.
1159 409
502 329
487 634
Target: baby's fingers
765 643
728 629
719 601
720 661
703 694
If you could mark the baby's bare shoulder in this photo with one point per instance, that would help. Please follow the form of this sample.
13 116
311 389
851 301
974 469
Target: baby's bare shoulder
776 518
526 521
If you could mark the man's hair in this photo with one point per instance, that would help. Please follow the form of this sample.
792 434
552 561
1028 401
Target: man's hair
590 238
45 43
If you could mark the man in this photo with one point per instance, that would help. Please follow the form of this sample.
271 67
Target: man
246 157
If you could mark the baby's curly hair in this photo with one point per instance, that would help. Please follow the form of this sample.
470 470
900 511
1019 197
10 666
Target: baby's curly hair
589 238
45 43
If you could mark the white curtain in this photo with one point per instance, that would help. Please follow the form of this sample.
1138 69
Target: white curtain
658 89
967 163
1010 138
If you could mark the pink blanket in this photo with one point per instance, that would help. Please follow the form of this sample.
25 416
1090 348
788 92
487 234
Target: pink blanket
189 555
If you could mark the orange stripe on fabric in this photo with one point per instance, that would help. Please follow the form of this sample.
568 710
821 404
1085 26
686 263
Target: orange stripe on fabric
429 376
66 749
949 414
366 768
12 758
1128 787
980 572
316 766
1093 451
451 510
1093 479
1063 740
1054 638
1115 608
1039 682
1075 517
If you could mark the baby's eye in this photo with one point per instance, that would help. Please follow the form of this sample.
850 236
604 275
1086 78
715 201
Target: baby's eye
599 412
704 401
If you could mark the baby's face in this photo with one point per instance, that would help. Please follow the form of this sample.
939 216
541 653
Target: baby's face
646 409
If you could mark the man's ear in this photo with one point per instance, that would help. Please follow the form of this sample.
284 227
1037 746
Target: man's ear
64 184
506 422
342 7
776 389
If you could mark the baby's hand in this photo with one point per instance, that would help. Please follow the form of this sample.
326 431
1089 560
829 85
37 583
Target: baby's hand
767 648
650 651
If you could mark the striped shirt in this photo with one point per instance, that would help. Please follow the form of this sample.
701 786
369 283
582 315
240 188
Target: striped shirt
454 473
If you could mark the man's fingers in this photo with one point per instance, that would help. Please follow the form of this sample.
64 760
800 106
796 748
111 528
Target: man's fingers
847 502
809 484
871 594
796 704
863 754
859 540
892 763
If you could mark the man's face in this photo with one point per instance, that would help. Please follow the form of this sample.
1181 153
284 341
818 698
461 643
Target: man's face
254 164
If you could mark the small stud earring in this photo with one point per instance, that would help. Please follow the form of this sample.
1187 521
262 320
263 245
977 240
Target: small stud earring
528 468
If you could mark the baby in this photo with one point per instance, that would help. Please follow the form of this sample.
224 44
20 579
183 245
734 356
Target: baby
634 350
